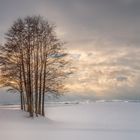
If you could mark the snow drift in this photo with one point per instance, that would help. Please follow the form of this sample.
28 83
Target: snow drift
94 121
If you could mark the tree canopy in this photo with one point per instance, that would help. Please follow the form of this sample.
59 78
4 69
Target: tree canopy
33 62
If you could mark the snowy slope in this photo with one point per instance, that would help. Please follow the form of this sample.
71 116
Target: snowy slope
96 121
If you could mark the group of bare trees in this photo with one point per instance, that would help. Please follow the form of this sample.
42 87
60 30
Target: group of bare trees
33 62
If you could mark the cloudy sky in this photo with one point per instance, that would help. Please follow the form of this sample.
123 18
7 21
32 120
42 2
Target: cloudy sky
103 39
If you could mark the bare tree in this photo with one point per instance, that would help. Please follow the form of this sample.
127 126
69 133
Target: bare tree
32 62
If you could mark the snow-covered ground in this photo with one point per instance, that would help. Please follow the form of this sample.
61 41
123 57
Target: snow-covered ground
94 121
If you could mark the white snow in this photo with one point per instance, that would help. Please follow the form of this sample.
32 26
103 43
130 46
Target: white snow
94 121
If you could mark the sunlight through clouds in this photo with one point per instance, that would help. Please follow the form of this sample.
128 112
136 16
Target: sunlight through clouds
100 71
102 38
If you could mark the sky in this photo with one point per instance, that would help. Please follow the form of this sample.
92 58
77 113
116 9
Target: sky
103 40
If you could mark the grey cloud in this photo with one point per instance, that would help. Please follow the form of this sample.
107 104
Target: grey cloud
117 21
104 25
121 78
113 20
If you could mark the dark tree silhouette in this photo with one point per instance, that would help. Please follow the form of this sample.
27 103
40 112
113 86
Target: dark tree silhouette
32 62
